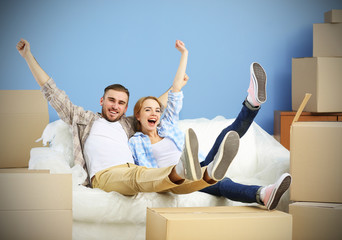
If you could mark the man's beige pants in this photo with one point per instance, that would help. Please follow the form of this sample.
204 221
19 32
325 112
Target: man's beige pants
130 179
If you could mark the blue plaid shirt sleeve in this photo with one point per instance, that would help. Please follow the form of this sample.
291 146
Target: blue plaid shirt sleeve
169 122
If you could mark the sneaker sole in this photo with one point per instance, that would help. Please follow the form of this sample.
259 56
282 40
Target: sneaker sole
227 153
192 167
259 78
285 183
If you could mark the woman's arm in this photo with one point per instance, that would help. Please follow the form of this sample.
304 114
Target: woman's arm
181 78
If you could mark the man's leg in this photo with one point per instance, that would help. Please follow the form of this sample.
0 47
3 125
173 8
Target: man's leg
129 179
191 186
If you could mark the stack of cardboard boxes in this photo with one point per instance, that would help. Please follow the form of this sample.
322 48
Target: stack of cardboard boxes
316 147
34 204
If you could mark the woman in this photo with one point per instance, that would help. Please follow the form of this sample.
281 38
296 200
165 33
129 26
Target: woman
159 141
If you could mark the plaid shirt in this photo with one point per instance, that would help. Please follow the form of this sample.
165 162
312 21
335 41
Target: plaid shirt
80 120
140 143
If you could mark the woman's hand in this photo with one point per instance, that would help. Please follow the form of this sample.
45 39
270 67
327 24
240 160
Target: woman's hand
180 46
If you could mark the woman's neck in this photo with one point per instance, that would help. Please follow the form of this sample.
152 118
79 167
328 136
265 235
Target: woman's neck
153 135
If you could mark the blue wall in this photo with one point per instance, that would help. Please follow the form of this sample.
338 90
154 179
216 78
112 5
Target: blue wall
86 45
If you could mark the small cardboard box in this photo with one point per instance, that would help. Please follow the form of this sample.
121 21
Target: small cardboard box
313 221
217 223
35 204
316 161
322 78
327 39
23 117
333 16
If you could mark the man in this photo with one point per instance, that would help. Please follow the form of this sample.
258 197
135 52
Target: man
109 160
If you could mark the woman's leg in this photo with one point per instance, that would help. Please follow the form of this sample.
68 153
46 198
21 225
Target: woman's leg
269 195
234 191
240 125
250 108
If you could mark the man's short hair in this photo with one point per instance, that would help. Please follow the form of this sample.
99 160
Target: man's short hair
116 87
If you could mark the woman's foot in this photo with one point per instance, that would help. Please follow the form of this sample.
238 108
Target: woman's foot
257 86
271 194
228 149
188 166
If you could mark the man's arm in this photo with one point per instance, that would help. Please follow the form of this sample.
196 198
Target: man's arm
38 73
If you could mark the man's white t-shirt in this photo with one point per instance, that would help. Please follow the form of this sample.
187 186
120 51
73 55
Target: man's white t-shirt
106 146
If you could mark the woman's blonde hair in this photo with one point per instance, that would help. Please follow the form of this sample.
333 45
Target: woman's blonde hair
138 107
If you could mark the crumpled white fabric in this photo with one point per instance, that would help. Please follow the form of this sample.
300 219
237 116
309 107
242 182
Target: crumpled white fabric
260 161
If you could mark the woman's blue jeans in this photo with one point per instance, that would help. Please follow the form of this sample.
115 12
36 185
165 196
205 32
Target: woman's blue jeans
226 187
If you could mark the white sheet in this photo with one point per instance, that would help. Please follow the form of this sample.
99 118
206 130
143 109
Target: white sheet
260 161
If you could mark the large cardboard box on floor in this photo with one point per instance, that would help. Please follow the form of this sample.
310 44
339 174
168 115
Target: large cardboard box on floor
327 39
313 221
316 161
23 117
322 78
35 204
217 223
333 16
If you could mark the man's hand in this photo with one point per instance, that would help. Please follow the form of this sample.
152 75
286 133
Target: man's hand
23 47
180 46
38 73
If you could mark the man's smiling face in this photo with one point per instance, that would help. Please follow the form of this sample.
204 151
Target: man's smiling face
114 105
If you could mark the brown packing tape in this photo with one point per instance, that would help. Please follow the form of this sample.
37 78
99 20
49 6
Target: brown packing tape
301 107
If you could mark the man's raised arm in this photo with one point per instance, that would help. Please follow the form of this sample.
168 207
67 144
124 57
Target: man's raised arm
38 73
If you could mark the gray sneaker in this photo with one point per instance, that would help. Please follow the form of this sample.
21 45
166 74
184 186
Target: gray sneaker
274 192
229 147
188 166
257 85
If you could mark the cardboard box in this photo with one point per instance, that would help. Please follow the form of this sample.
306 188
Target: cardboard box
333 16
322 78
23 117
327 39
316 221
35 191
34 225
217 223
316 161
283 121
35 204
